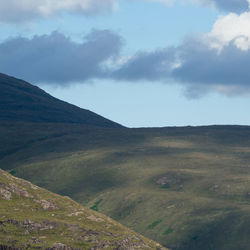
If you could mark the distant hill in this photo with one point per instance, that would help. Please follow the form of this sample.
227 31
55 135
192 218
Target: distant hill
33 218
21 101
186 188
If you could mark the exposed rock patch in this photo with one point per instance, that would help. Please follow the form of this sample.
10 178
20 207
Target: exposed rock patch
60 246
96 219
20 191
5 194
13 188
172 181
33 186
46 205
75 213
163 181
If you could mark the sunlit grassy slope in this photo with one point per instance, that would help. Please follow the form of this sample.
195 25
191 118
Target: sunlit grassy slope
187 188
33 218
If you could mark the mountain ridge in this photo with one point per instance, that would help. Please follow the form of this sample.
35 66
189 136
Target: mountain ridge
22 101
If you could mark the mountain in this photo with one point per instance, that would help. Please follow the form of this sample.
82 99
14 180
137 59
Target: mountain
185 187
21 101
33 218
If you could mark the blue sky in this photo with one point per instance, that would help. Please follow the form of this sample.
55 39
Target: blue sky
142 63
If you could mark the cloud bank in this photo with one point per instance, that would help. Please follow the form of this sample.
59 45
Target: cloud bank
56 59
26 10
14 11
217 61
196 64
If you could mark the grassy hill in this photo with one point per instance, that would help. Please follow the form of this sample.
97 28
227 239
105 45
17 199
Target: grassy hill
33 218
186 187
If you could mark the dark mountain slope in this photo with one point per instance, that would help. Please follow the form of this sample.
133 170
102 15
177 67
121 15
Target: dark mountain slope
21 101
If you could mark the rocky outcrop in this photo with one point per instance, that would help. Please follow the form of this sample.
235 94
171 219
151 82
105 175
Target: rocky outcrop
5 194
46 204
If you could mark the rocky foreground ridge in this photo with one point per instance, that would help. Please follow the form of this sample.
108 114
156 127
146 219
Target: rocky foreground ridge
34 218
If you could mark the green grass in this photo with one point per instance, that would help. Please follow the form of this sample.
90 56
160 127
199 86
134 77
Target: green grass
95 206
154 224
168 231
206 171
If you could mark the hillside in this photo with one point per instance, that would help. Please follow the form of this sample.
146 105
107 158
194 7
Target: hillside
33 218
21 101
185 187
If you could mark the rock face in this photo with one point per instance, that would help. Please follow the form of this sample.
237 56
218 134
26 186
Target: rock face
33 218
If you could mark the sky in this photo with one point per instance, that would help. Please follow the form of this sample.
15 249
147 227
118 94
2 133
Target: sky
142 63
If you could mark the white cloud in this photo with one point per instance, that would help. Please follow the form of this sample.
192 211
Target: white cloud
231 28
22 10
26 10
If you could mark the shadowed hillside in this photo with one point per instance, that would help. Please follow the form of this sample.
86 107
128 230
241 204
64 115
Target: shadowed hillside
21 101
185 187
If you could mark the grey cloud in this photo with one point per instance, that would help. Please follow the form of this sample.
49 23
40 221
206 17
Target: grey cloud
193 65
203 70
237 6
202 65
150 66
56 59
